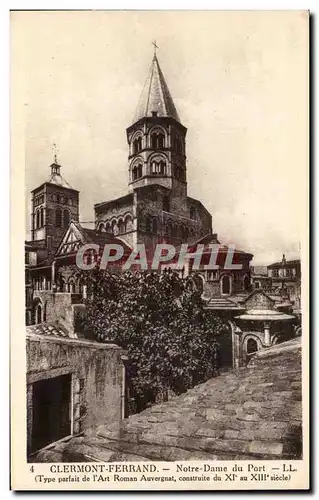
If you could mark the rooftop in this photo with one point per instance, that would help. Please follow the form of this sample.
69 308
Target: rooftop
155 97
252 413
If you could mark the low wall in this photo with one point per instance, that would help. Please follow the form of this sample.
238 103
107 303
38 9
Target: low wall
97 378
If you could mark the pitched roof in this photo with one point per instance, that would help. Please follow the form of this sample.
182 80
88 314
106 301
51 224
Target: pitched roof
93 236
155 96
57 179
127 198
82 235
284 263
222 303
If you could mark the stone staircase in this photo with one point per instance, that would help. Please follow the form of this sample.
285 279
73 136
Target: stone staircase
251 413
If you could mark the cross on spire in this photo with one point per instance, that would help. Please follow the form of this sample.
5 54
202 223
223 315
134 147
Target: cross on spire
55 152
155 47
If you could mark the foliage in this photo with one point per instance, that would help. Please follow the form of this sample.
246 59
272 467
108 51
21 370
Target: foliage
159 319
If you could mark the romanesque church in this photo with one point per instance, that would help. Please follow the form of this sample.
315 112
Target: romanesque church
156 209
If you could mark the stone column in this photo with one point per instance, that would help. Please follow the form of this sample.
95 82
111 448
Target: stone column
237 354
267 333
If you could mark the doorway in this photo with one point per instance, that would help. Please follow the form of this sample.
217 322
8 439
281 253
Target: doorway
51 411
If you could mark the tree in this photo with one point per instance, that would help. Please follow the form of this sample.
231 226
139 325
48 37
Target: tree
171 341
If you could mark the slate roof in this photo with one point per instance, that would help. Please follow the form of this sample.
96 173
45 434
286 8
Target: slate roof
99 238
284 264
155 96
47 329
58 180
127 198
220 304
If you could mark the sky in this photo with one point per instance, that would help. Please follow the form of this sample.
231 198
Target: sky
239 83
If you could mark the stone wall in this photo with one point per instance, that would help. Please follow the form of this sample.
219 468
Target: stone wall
97 377
60 308
254 413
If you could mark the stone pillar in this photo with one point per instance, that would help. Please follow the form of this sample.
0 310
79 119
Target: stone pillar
267 334
237 353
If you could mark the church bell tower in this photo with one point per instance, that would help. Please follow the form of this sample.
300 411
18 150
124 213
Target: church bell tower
156 139
54 204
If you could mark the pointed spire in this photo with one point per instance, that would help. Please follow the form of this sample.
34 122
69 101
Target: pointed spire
155 99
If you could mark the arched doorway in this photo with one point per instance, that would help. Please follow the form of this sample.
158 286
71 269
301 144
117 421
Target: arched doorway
252 347
225 285
38 314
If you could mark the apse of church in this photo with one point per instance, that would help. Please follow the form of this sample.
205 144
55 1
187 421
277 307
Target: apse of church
157 208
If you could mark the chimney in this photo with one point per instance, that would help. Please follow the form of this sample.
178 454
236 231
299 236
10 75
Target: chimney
283 259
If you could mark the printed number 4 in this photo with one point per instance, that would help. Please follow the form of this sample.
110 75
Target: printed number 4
32 468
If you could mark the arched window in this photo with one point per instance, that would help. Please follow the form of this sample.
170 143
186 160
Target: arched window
252 346
107 228
166 203
158 167
137 172
101 228
66 218
160 141
226 284
58 217
121 226
128 223
113 226
162 167
38 314
41 217
37 223
154 141
137 145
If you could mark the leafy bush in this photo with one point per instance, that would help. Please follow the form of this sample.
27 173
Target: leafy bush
171 341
